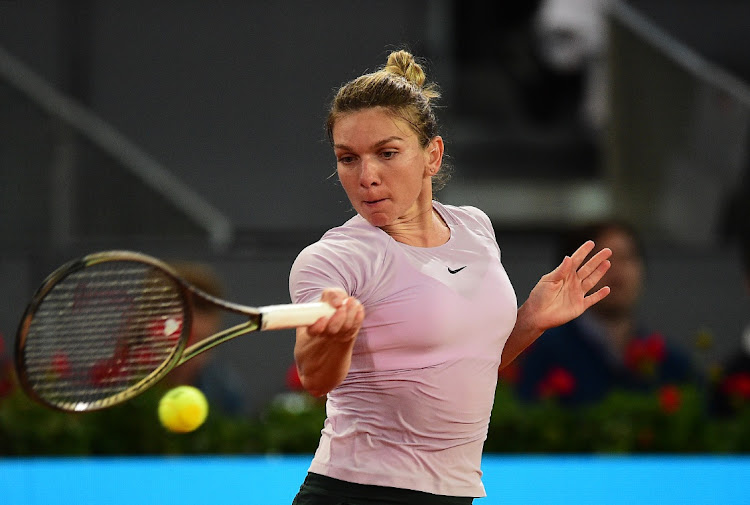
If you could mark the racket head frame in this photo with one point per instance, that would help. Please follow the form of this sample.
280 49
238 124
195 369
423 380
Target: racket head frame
270 317
60 274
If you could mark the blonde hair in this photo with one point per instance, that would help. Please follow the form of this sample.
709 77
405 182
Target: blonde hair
399 87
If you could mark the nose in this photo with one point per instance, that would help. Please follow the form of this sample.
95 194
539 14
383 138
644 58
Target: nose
368 175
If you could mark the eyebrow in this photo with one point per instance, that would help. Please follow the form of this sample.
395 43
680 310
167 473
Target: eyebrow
375 145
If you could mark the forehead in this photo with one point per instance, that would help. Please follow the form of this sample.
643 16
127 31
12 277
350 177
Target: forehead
370 126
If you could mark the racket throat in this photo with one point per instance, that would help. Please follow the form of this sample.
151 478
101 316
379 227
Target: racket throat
218 338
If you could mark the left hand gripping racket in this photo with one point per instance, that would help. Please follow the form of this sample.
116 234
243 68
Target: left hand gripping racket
104 328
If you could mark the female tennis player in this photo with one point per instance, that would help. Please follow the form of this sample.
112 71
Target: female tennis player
425 311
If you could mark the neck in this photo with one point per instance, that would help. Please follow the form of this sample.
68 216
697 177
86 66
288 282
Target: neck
424 229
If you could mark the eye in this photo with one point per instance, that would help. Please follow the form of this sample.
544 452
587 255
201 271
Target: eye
345 159
388 154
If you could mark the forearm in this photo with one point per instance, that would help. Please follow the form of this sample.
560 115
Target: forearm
322 363
524 333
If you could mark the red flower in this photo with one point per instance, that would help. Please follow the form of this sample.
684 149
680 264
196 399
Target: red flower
293 381
655 347
6 371
670 399
737 385
106 372
642 355
6 379
558 382
146 359
61 365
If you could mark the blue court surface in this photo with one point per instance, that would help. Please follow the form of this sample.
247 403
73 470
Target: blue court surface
513 480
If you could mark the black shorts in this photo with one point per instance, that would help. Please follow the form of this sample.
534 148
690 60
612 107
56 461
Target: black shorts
321 490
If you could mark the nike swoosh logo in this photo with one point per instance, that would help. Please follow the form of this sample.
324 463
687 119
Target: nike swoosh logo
456 270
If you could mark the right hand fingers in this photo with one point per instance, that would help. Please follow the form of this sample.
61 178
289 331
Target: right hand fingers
348 317
345 322
334 296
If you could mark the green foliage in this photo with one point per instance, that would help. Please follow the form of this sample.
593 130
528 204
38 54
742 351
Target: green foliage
28 429
624 423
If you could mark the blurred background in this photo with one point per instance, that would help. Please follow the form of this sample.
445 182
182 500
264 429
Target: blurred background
193 131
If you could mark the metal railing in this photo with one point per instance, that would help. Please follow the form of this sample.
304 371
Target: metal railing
74 121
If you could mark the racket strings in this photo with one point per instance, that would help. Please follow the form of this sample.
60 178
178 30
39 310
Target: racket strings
102 330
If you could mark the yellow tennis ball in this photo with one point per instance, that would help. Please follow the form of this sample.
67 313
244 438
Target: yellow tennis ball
183 409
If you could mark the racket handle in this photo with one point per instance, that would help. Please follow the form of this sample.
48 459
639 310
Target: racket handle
295 315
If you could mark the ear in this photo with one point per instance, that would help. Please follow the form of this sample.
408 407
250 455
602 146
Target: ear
434 156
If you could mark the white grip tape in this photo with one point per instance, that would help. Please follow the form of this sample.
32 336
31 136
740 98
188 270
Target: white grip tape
278 317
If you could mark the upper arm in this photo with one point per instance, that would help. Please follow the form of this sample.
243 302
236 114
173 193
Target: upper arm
314 270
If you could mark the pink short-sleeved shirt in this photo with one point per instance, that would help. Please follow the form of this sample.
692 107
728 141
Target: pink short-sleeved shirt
414 408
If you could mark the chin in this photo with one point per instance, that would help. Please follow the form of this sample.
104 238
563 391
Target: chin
378 219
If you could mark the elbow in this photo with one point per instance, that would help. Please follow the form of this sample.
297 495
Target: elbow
314 387
317 393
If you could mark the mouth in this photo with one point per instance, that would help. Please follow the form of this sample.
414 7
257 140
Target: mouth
373 202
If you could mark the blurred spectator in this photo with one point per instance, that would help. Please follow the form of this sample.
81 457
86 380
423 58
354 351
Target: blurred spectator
572 37
606 348
219 382
731 391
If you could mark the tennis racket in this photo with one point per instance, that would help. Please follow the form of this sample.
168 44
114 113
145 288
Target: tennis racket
103 328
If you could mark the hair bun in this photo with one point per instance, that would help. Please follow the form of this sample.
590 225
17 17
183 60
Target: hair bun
402 63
